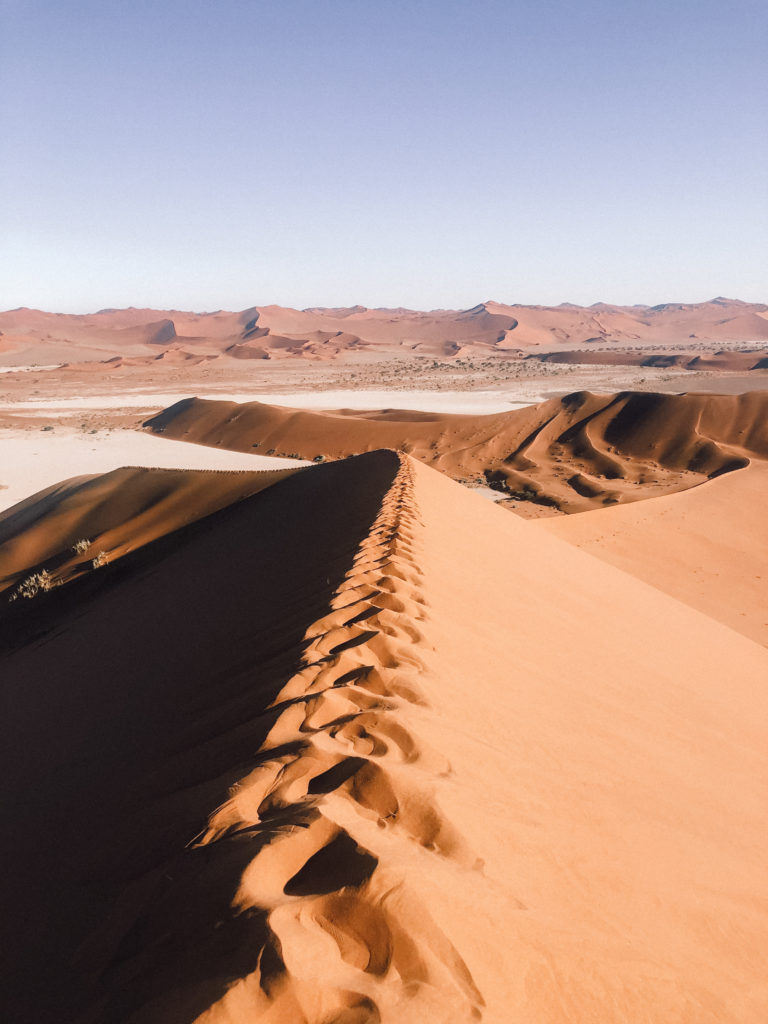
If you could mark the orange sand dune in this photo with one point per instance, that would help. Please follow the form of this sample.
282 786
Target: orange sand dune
168 357
115 513
161 332
707 547
582 451
362 747
490 328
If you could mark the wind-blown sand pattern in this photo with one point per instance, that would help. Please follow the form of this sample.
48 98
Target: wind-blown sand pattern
363 747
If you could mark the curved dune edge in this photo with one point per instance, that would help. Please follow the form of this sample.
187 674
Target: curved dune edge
348 937
583 451
62 530
707 546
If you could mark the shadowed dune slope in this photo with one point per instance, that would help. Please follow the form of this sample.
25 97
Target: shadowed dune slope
571 454
364 748
131 699
115 513
707 547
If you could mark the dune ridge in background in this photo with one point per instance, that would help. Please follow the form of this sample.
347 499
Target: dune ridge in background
566 454
135 337
728 360
380 752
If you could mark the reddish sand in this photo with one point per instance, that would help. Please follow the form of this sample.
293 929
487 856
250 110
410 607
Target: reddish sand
571 454
363 747
141 336
729 360
62 529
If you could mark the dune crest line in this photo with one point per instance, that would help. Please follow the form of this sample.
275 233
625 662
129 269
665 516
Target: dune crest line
338 783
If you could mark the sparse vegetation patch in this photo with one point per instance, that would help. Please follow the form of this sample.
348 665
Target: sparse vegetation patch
32 585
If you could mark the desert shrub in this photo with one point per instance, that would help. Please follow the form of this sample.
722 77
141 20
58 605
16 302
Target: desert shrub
101 559
32 585
80 546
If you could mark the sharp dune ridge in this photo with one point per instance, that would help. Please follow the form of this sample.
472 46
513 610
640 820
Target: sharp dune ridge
133 336
133 697
61 530
361 747
347 938
566 454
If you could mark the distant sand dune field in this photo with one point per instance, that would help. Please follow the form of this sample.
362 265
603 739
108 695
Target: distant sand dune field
163 339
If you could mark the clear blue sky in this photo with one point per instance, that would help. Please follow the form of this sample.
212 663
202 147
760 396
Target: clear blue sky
221 154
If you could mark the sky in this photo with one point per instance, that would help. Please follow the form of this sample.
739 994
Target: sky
428 153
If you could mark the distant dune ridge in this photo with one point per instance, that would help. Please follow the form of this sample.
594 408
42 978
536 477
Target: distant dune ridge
490 328
358 746
728 360
570 454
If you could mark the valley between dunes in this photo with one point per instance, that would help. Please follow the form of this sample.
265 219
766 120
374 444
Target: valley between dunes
348 743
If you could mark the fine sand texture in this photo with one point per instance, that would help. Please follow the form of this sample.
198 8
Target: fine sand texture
363 747
707 547
564 455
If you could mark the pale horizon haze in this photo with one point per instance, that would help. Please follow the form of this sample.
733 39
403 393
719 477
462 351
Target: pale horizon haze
435 154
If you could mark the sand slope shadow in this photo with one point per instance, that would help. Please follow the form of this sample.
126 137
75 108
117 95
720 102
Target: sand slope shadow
132 699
